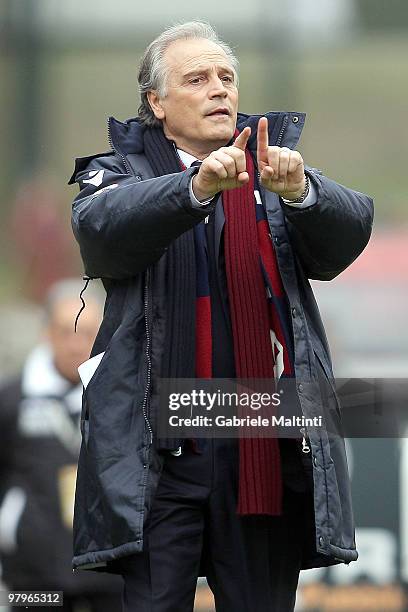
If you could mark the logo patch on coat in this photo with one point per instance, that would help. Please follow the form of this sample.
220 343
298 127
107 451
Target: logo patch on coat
95 177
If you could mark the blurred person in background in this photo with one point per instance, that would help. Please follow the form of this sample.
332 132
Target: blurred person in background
39 237
205 226
39 444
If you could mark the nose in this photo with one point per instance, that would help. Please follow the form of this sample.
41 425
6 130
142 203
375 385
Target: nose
217 88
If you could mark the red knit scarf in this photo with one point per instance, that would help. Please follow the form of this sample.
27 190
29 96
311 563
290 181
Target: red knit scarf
260 480
248 249
248 253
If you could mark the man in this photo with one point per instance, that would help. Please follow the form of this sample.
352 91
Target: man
206 269
39 445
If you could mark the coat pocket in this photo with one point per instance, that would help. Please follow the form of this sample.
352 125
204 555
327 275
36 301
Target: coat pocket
87 372
88 369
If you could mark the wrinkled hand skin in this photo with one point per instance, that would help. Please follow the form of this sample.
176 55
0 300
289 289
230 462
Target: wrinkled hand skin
224 168
281 169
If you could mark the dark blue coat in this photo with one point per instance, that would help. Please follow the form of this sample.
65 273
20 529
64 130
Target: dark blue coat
124 219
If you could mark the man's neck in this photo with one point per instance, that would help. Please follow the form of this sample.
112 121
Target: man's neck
197 150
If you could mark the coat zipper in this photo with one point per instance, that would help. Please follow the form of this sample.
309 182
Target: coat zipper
123 158
147 353
281 133
146 309
305 443
305 440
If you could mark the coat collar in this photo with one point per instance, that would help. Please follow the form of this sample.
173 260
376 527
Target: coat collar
126 137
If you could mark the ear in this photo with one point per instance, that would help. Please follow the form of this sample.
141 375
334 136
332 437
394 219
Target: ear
155 105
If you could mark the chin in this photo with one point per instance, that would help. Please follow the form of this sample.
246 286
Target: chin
224 134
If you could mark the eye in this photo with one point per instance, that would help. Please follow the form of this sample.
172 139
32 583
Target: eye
195 80
227 78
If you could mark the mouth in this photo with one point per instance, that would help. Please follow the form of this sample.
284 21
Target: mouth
221 111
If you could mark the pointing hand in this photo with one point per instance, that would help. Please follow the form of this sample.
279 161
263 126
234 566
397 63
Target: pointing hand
281 169
224 168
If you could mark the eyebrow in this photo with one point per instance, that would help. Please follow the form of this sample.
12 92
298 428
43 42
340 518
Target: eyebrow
201 69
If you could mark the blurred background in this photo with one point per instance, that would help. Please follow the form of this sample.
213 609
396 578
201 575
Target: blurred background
66 66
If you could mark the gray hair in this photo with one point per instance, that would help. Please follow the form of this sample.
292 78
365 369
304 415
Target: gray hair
153 69
69 289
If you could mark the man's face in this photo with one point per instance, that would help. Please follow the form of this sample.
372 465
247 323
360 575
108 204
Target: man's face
70 349
199 111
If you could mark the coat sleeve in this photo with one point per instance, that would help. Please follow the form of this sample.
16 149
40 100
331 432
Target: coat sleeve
124 224
329 235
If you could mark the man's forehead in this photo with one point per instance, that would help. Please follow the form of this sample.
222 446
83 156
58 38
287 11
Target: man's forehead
195 54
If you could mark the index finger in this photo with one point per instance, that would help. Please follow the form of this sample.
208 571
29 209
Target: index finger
262 140
241 140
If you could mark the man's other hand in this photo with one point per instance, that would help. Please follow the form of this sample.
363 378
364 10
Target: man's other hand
223 169
281 169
